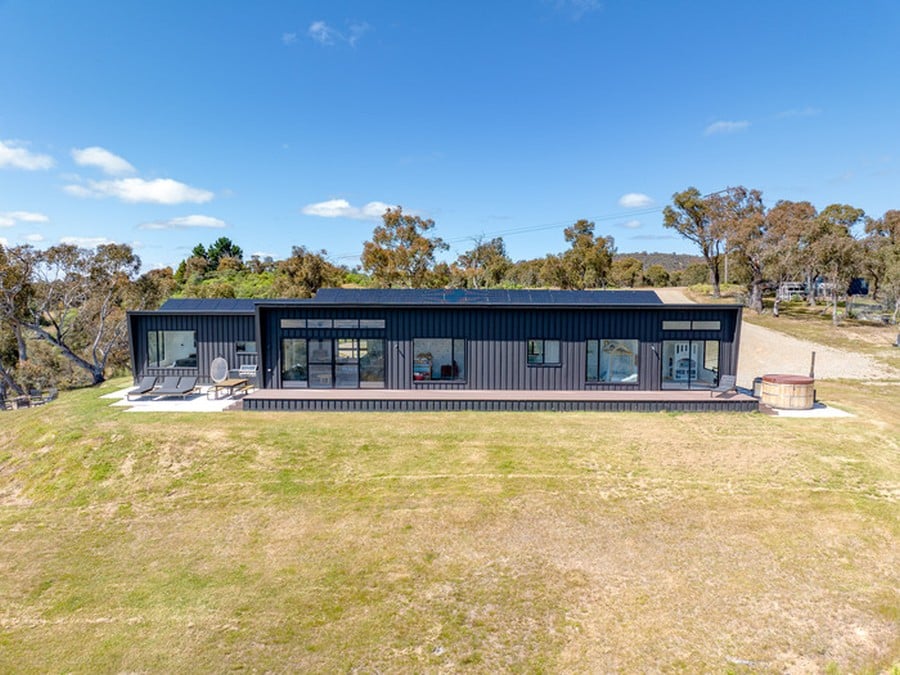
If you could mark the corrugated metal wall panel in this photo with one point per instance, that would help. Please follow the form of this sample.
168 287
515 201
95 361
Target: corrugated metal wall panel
217 335
495 341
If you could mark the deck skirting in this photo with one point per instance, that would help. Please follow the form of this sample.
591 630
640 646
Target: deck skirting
458 400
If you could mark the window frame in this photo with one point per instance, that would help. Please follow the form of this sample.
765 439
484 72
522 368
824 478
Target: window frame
543 362
458 362
153 337
244 347
596 377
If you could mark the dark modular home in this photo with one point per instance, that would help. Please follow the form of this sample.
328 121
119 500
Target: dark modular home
363 348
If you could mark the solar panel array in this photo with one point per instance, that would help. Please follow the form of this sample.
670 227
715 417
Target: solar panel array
420 296
444 296
211 305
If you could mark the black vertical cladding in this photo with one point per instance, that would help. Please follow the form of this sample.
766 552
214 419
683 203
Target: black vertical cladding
217 335
496 343
496 337
495 340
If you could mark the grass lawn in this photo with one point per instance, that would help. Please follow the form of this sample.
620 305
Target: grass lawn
370 542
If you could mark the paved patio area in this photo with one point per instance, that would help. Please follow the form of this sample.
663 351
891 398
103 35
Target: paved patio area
200 403
195 403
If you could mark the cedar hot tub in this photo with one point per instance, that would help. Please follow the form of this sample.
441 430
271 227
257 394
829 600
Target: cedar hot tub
788 392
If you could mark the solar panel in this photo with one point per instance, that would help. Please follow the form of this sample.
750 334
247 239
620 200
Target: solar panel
210 305
500 297
420 296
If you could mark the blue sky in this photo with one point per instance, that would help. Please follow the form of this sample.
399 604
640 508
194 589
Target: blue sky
167 124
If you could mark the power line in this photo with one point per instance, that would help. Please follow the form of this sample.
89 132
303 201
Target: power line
539 228
530 228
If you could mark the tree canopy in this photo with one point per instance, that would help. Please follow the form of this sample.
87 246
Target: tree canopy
400 253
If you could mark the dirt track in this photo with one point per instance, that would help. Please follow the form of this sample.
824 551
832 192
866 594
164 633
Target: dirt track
767 351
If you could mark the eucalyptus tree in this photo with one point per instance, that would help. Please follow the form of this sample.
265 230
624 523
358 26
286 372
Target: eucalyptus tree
483 266
783 253
690 215
71 298
401 252
738 215
882 257
626 272
587 261
837 250
304 273
882 235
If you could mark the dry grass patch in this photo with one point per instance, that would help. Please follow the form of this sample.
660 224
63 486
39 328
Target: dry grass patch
429 542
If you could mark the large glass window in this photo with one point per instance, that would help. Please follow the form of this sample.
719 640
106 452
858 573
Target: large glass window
690 364
613 361
172 348
543 353
439 359
293 362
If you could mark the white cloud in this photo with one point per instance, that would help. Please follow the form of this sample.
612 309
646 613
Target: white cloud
725 127
4 241
635 200
357 30
34 238
86 242
808 111
103 159
288 38
327 35
341 208
139 190
632 224
184 222
322 33
14 156
10 218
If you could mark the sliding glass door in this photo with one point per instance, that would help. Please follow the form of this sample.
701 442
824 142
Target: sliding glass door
690 364
341 363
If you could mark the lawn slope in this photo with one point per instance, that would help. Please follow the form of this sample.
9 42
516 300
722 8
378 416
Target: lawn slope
442 541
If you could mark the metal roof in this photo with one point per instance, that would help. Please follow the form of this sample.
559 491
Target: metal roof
416 296
497 297
210 305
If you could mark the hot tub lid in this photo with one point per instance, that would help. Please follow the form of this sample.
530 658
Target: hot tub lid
777 378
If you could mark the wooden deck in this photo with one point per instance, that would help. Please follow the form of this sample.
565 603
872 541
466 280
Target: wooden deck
468 399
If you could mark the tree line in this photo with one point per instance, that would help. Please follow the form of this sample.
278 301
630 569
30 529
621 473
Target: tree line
62 309
791 241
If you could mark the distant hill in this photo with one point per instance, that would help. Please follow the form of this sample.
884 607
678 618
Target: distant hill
671 261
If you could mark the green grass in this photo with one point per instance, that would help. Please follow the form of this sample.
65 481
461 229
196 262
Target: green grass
447 541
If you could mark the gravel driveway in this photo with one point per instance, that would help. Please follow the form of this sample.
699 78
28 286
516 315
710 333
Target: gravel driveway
767 351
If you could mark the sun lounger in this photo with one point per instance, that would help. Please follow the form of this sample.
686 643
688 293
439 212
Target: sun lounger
145 386
185 386
726 383
169 383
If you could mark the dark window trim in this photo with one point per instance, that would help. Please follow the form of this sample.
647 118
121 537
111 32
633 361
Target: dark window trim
432 382
602 383
157 366
543 363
